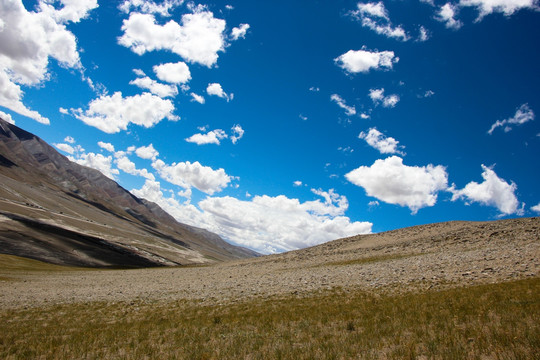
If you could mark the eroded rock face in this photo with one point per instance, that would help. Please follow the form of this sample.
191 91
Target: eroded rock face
61 212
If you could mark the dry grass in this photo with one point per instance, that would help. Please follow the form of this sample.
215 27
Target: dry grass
499 321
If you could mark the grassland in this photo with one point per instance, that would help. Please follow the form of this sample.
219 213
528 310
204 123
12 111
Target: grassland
494 321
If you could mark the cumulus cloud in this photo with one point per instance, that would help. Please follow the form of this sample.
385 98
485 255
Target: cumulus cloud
349 110
378 141
113 113
211 137
239 32
237 133
197 98
174 73
128 166
65 148
536 208
264 223
276 224
523 114
197 39
494 191
156 88
391 181
447 14
28 40
507 7
375 17
107 146
423 34
188 175
217 90
215 136
7 117
356 61
378 97
98 162
147 152
150 7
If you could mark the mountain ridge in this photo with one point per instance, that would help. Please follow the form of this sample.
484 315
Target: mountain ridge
42 188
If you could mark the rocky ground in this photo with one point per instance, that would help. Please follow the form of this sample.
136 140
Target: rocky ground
411 259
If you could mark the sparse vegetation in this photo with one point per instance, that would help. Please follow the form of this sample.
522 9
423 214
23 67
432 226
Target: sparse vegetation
499 321
370 259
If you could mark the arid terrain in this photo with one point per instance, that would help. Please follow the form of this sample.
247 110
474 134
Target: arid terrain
436 256
459 290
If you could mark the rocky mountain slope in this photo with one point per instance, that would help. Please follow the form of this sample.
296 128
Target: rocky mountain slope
54 210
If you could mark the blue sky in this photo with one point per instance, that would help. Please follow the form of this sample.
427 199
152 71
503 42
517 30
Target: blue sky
284 124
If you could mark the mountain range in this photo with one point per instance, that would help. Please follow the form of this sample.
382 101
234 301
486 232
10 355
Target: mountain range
55 210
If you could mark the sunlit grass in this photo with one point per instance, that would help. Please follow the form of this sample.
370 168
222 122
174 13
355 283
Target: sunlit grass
499 321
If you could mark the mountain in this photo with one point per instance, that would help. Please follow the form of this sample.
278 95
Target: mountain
55 210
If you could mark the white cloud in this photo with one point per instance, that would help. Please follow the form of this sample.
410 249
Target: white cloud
112 114
156 88
107 146
391 181
377 95
65 148
494 191
217 90
447 14
175 73
275 224
424 34
372 10
237 133
7 117
536 208
507 7
211 137
187 175
239 32
349 110
391 101
375 17
198 39
71 11
523 114
297 183
266 224
28 40
147 152
197 98
150 7
355 61
378 141
126 165
98 162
